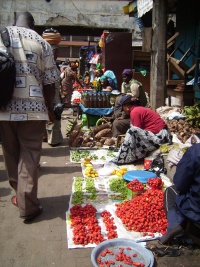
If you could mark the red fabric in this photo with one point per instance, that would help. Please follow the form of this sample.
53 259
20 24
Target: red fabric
146 119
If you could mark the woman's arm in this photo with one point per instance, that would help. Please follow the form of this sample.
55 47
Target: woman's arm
122 89
135 90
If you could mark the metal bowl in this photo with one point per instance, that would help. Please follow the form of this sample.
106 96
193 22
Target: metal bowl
143 255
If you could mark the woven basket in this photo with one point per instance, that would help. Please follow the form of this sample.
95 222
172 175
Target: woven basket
52 38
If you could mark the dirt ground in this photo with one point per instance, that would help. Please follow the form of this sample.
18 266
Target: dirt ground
43 242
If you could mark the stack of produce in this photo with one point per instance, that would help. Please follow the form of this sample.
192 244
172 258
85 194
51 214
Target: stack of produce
182 128
99 136
76 136
145 212
193 114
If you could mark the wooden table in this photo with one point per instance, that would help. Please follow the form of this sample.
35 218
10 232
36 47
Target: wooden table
186 96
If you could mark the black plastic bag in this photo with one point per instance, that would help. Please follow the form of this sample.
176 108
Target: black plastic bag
157 166
58 110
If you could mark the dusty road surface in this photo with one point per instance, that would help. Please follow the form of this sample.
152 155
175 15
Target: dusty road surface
43 242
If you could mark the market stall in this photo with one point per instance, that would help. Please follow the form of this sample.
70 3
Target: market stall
104 193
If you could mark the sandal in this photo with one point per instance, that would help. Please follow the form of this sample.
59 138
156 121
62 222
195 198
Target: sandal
14 201
165 251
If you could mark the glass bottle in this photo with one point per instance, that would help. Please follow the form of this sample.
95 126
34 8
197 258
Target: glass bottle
108 99
87 100
94 99
104 105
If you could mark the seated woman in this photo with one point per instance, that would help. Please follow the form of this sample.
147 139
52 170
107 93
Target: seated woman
120 120
147 131
133 87
105 85
109 74
108 81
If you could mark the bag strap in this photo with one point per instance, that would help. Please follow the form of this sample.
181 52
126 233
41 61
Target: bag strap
5 37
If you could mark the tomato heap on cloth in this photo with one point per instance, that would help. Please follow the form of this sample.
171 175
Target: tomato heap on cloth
145 212
85 225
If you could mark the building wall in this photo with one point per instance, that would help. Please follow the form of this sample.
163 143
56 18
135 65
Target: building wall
85 19
88 13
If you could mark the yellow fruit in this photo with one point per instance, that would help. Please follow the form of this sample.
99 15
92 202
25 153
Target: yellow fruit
88 165
87 159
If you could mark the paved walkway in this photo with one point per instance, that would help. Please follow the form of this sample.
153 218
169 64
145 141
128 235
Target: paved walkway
43 243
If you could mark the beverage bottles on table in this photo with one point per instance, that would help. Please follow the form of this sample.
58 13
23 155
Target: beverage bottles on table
95 99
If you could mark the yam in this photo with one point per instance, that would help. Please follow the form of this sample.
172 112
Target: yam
98 144
102 140
109 142
88 144
101 127
104 132
77 142
86 139
73 136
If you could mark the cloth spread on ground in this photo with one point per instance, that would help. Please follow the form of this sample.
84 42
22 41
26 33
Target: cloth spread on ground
138 143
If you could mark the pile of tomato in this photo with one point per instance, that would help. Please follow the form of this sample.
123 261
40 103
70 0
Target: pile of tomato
144 213
110 225
155 183
85 226
136 186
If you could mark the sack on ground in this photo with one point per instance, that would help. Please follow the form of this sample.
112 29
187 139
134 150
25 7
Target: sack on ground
54 135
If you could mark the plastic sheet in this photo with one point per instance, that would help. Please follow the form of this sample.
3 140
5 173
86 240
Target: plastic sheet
96 111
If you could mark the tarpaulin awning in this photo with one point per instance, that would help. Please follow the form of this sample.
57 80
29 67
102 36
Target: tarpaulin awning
143 6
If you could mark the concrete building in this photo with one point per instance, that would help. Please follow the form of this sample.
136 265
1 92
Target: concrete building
79 22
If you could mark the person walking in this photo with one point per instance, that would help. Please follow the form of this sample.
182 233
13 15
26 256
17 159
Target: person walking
67 86
53 132
22 122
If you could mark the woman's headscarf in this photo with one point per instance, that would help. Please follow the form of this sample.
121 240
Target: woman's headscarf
103 78
127 72
109 74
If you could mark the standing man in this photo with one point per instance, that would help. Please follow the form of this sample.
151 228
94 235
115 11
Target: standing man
22 123
53 132
133 87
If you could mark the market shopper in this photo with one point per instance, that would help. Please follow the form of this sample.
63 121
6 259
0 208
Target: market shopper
182 200
133 87
22 123
67 86
53 132
147 131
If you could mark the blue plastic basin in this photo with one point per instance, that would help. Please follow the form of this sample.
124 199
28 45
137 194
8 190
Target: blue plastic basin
140 175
